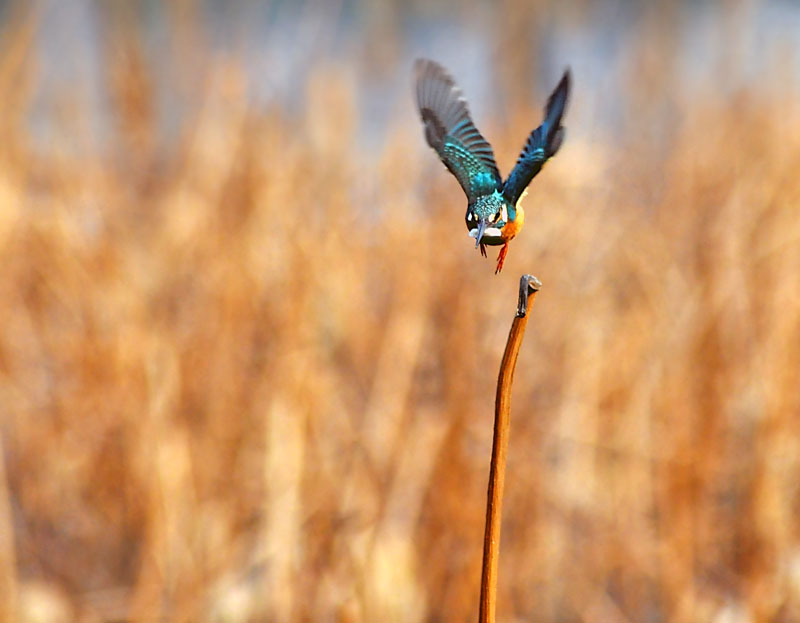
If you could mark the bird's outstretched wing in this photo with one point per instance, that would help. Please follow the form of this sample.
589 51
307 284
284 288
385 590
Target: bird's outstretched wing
543 143
452 133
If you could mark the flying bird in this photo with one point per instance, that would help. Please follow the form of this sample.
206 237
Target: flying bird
494 211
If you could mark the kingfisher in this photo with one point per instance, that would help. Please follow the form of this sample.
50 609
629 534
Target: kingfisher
494 211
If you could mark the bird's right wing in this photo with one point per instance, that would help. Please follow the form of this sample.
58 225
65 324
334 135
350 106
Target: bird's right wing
450 130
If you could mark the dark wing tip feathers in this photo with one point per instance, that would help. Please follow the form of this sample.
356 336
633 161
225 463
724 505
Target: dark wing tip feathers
554 111
551 127
438 98
562 88
424 67
441 103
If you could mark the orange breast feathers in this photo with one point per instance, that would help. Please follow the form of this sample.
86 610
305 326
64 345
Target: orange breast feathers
512 228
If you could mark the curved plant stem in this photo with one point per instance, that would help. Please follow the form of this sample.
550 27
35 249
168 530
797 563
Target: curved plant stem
528 287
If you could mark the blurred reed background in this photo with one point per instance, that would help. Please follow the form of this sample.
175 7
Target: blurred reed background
248 352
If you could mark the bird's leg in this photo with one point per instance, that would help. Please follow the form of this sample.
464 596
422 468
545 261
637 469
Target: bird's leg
483 250
501 258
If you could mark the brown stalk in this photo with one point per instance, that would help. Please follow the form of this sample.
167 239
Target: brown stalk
528 287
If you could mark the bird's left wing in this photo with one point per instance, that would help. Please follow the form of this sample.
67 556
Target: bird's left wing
449 129
542 144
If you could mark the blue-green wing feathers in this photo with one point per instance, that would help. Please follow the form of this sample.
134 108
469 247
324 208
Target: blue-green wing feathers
449 129
542 144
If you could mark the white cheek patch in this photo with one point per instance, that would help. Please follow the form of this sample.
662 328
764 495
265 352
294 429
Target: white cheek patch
489 232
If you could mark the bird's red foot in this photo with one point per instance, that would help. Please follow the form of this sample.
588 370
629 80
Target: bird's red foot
501 258
483 250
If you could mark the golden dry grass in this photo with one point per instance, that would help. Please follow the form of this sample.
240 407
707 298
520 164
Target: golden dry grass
205 420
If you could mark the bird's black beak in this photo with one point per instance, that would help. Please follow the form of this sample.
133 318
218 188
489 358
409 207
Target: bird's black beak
482 223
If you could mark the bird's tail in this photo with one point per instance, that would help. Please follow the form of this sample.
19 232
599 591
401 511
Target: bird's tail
550 134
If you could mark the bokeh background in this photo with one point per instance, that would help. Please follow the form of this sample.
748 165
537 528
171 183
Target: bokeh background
248 352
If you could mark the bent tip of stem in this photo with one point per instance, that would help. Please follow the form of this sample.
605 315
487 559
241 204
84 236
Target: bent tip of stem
528 284
532 282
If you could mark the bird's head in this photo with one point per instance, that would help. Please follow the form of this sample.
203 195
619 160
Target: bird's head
485 223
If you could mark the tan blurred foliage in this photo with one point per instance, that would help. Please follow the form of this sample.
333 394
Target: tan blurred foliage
247 368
